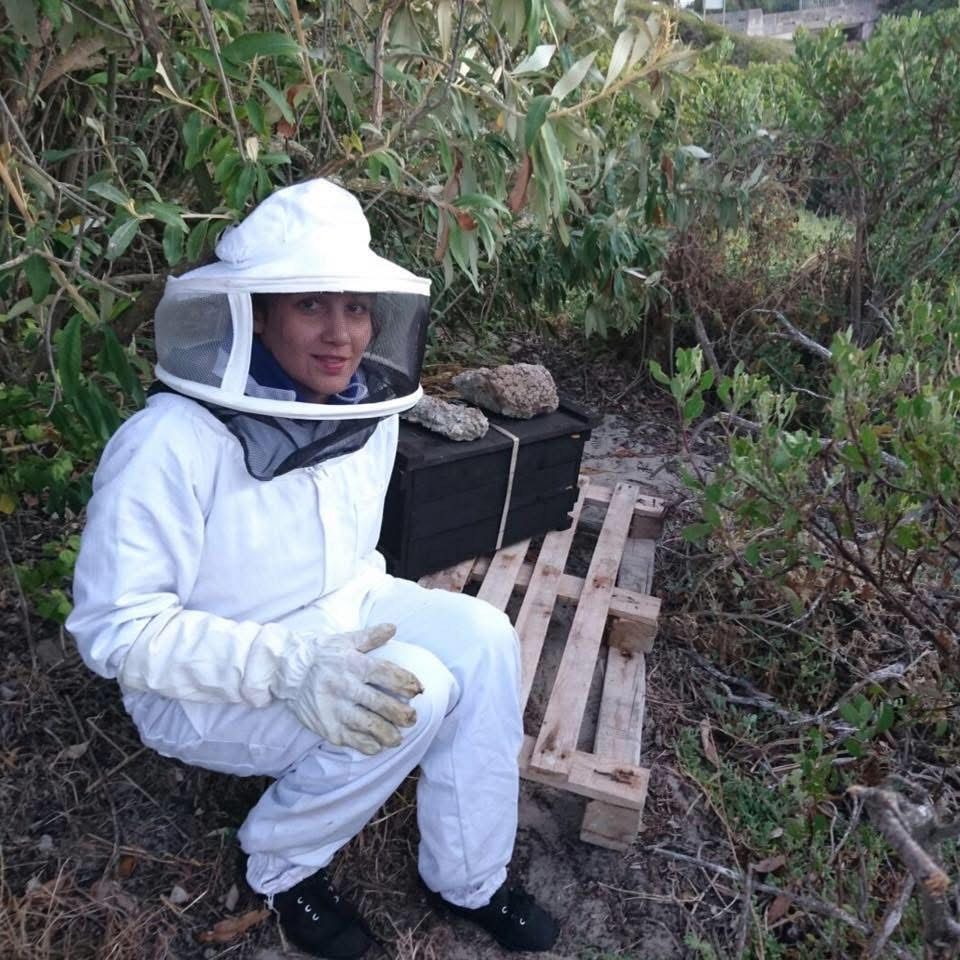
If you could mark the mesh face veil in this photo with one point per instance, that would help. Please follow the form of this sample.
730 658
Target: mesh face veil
309 238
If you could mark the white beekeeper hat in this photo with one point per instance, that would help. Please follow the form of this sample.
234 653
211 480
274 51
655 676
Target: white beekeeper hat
308 238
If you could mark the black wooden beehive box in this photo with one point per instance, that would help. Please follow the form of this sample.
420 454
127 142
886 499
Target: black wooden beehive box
446 498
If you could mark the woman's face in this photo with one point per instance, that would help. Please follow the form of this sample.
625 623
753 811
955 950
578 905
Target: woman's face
318 338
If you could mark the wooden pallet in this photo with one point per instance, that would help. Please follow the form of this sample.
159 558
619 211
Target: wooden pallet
613 598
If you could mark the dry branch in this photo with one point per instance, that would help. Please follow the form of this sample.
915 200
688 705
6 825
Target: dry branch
912 829
803 901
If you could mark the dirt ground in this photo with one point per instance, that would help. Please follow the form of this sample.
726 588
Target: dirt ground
110 851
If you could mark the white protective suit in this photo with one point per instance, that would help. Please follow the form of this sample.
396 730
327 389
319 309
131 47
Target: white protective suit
196 580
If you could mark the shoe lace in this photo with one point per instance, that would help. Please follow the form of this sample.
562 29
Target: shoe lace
320 884
518 905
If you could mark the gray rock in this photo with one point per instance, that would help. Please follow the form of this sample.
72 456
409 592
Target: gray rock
453 420
520 390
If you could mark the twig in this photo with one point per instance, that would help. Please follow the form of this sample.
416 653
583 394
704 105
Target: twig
706 345
319 99
799 337
908 828
389 11
96 766
804 902
173 823
116 768
21 598
228 93
431 103
891 919
745 914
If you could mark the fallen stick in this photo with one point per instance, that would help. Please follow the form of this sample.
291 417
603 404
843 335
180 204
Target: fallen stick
912 829
807 903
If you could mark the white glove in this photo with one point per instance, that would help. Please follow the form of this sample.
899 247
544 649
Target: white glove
346 697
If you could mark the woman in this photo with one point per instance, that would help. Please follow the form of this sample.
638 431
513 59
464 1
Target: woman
228 577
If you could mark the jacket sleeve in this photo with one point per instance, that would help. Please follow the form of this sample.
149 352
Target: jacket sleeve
138 561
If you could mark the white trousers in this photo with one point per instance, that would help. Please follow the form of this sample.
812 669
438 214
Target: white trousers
466 740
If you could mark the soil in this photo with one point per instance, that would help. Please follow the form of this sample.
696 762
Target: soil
110 850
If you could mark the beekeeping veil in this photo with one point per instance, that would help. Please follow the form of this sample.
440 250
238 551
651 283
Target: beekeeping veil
309 238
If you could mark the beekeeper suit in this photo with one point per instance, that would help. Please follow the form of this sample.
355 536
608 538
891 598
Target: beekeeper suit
228 576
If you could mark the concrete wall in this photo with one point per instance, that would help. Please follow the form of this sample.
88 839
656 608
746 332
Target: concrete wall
756 23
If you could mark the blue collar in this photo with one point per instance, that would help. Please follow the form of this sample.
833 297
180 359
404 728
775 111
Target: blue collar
267 372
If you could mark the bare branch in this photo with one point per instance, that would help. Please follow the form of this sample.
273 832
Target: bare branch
224 82
891 919
908 827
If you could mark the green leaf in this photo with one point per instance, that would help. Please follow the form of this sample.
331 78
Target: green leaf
121 238
535 62
885 718
693 407
109 192
168 213
172 244
22 15
37 271
91 412
257 44
256 117
191 131
344 88
869 442
697 532
752 554
55 156
195 242
574 77
69 356
386 159
114 361
536 114
279 100
243 186
479 201
853 747
620 55
850 713
656 371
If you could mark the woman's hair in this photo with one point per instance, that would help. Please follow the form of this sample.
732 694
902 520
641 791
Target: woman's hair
261 302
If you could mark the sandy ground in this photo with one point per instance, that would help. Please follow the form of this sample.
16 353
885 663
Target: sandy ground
109 850
614 906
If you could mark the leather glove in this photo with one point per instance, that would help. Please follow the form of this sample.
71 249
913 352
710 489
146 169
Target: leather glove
346 697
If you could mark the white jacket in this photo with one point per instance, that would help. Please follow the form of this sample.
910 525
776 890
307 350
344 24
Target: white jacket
195 580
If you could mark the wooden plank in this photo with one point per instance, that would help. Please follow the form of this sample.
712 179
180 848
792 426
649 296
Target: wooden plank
453 578
619 733
621 784
540 598
626 604
646 506
557 741
610 826
624 634
502 573
622 703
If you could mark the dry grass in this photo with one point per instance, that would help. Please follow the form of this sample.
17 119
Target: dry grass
111 852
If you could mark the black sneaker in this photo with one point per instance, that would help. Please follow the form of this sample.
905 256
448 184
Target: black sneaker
317 920
512 918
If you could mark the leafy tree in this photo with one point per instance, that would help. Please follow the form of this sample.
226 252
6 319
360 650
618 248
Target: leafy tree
883 124
133 140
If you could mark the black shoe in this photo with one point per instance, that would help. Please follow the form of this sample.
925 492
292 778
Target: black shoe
317 920
512 918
